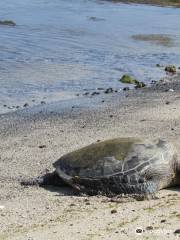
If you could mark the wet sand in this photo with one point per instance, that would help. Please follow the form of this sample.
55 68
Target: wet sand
57 213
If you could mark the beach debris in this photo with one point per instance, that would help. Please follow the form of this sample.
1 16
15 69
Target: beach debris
109 90
113 211
170 69
7 23
2 207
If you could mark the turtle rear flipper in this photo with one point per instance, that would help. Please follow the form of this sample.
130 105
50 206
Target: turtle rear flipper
45 180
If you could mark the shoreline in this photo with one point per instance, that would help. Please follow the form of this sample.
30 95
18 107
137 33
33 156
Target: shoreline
51 213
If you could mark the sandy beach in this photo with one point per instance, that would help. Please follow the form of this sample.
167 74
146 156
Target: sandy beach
31 140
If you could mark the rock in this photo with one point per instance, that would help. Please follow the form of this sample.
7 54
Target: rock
113 211
167 102
177 232
26 105
127 79
163 220
95 93
110 116
149 228
43 102
42 146
86 93
140 84
171 90
158 65
126 89
7 22
139 230
170 69
100 88
130 80
109 90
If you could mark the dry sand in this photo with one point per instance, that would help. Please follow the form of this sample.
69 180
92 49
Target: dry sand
34 213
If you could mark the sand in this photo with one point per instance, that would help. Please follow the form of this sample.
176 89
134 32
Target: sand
35 213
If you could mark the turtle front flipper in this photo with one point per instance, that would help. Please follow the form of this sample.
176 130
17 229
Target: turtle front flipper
45 180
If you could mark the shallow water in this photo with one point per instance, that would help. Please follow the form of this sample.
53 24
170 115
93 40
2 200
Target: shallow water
61 47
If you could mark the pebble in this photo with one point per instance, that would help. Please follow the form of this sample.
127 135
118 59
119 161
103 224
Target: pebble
163 220
177 231
149 228
26 105
95 93
171 90
42 146
126 89
113 211
108 90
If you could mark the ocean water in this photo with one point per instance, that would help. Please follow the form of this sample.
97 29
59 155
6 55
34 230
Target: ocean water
63 47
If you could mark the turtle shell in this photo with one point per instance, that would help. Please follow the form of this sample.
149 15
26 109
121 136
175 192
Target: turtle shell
116 156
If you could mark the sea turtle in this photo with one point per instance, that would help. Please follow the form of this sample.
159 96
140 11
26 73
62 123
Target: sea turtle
121 165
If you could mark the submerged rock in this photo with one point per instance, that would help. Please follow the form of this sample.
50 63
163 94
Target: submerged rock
130 80
127 79
170 69
7 22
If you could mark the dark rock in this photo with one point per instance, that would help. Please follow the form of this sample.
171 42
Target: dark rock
100 88
139 230
113 211
126 89
86 93
102 101
95 93
167 102
110 116
177 232
7 23
42 146
163 220
109 90
26 105
149 228
139 84
43 102
170 69
4 105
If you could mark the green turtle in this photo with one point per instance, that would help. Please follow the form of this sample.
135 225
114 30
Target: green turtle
121 165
